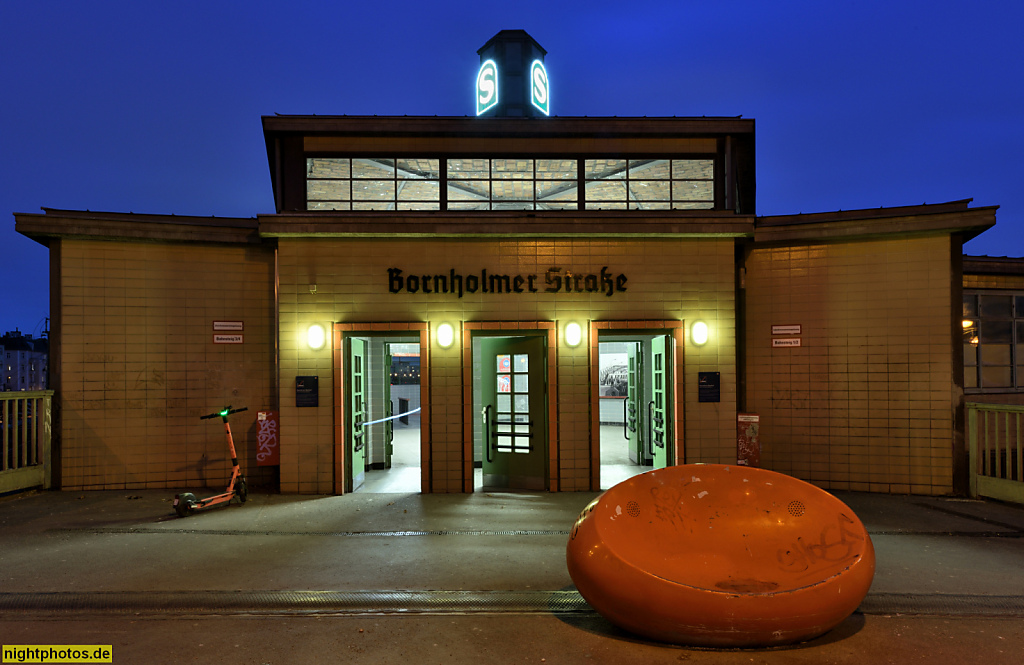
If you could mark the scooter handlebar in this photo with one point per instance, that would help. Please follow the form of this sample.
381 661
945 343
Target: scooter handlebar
223 413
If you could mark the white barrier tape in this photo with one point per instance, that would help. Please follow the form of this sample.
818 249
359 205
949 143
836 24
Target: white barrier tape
407 413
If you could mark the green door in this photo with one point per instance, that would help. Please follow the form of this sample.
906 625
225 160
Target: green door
514 415
659 408
355 461
389 410
634 405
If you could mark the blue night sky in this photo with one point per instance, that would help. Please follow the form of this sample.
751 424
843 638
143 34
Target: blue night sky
154 107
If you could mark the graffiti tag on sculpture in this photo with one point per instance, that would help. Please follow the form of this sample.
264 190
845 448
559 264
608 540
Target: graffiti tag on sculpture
836 544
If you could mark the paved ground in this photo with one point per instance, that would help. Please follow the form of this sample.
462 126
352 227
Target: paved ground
399 578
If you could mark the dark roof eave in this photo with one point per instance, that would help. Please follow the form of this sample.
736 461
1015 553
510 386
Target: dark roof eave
129 226
952 217
537 225
993 265
525 127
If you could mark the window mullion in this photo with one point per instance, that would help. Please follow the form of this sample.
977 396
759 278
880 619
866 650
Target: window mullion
442 183
581 184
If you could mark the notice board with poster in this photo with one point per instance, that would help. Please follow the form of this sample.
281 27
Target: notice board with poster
307 391
709 386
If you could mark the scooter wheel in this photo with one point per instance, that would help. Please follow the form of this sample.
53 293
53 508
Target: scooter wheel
241 489
185 504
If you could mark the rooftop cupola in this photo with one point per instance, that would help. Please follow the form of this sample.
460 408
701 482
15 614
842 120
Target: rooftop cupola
512 81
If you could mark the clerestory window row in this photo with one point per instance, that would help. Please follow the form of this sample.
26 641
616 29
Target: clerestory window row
509 183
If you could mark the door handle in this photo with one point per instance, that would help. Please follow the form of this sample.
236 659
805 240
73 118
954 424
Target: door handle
625 417
487 433
390 422
650 427
650 419
357 435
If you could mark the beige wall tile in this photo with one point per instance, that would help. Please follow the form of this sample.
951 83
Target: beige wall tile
682 279
134 389
880 391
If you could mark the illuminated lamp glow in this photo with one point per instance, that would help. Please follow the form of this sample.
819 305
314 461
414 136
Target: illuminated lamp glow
316 336
540 89
445 335
486 87
573 334
699 333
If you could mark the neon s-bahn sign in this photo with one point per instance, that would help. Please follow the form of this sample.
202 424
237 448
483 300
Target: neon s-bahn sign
487 87
540 92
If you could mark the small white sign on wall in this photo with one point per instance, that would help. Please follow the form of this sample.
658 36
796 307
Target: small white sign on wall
786 342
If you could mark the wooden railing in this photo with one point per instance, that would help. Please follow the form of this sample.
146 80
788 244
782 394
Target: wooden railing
25 424
994 440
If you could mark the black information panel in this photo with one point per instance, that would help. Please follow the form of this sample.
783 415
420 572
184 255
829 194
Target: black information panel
307 391
709 386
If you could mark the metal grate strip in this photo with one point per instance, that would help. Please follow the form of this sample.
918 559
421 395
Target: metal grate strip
430 602
455 532
342 534
276 602
942 604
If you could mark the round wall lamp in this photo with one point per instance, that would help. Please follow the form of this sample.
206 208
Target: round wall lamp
573 333
699 333
445 335
316 336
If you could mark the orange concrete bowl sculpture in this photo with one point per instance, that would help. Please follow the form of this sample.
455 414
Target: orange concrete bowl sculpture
721 556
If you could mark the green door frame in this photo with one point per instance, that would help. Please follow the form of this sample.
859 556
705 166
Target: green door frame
514 419
356 436
546 329
659 408
340 366
389 411
634 408
675 329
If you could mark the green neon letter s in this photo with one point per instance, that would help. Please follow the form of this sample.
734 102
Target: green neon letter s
486 86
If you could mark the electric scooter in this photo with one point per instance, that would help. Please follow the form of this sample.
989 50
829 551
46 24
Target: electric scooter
185 504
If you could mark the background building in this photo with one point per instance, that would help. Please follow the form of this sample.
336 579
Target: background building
993 329
24 362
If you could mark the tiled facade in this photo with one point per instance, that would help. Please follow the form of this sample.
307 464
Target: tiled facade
138 365
680 279
865 402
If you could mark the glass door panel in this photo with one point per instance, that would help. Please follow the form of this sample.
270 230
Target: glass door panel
633 405
355 460
659 408
514 417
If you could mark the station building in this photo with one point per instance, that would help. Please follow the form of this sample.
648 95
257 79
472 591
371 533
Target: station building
556 282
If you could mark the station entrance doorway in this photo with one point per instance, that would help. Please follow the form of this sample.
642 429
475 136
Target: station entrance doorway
636 403
380 428
510 400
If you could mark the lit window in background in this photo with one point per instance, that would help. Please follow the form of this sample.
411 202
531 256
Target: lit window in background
993 341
